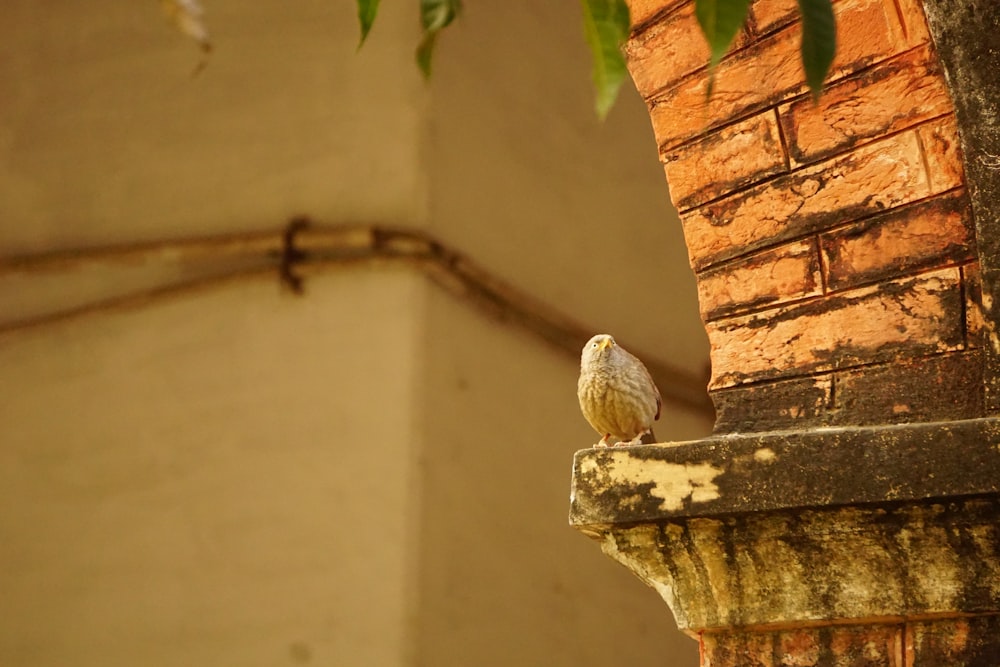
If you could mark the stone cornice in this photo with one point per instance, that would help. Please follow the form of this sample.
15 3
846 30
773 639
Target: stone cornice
761 472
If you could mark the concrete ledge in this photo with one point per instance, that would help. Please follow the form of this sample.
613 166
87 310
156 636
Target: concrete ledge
919 560
827 468
874 525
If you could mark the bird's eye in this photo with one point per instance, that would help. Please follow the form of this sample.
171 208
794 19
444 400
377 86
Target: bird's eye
593 345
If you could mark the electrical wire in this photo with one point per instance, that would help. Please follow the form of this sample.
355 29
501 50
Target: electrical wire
302 249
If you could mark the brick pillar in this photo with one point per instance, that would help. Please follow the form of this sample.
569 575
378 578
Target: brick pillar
847 509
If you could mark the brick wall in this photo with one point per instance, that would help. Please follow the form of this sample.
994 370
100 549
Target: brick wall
832 243
953 642
842 255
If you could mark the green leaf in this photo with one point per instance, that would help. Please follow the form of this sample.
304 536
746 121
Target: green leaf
606 25
434 16
437 14
720 20
424 52
367 10
819 42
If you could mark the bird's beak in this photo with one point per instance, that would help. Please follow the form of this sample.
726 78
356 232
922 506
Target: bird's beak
604 344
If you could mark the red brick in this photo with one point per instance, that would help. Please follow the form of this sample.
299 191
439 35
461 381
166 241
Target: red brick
931 233
940 387
771 14
892 96
642 11
874 645
720 162
912 27
772 277
871 646
799 647
667 51
879 176
869 31
942 153
909 317
749 80
797 403
972 641
770 71
728 649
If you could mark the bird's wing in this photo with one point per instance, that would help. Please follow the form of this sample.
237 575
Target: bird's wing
656 390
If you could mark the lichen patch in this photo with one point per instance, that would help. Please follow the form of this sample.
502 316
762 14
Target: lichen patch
672 483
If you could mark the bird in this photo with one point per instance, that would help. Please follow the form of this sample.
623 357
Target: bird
617 394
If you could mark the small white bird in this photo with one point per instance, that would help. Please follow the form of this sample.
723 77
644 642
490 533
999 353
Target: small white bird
617 395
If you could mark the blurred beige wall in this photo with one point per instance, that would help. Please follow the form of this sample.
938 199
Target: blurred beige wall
374 473
210 482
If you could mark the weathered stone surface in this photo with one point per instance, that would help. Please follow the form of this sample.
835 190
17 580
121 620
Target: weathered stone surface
811 566
733 474
746 535
904 318
976 323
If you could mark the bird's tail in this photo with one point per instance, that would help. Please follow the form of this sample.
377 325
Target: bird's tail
648 438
